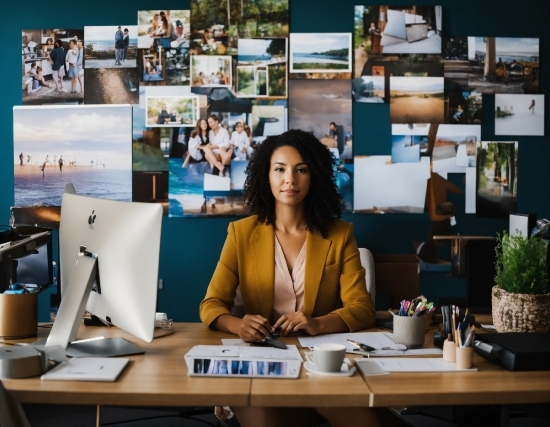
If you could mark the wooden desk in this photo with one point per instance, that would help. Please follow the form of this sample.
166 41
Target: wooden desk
159 378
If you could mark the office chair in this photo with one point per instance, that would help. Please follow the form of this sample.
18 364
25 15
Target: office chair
11 412
367 261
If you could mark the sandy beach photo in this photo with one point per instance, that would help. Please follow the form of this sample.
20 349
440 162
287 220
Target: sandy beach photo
112 86
320 52
111 46
416 100
89 146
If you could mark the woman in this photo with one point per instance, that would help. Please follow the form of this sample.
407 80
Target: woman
199 148
155 24
220 142
296 264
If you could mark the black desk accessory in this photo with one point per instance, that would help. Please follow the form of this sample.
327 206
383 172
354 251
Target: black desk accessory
515 351
271 342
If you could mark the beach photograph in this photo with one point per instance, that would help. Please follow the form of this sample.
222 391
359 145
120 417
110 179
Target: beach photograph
112 86
385 30
112 46
88 146
369 89
262 51
497 179
172 111
519 115
152 65
320 52
416 100
41 84
492 65
384 187
211 71
163 28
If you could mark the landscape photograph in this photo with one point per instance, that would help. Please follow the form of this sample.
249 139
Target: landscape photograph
369 89
305 53
492 64
416 100
112 86
519 115
89 146
497 179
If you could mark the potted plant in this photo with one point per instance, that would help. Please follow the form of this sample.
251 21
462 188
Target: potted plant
521 297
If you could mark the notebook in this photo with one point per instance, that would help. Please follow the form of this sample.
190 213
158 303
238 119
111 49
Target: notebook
87 369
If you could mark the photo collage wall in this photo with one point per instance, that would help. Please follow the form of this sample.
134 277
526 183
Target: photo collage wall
170 108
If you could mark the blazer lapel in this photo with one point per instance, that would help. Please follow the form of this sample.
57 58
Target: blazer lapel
316 255
262 244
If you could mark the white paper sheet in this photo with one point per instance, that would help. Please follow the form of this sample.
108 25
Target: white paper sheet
233 351
377 340
410 352
391 364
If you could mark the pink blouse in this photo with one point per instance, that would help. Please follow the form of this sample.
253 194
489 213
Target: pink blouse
288 290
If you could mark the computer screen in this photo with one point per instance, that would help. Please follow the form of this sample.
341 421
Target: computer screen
117 245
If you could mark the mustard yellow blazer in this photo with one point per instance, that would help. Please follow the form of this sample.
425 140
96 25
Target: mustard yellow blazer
334 278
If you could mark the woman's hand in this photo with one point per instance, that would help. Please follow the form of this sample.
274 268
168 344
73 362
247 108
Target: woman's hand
297 321
254 328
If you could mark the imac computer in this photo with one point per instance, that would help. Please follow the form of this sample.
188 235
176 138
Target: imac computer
109 259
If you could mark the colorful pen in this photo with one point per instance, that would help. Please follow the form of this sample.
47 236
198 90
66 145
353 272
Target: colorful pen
362 346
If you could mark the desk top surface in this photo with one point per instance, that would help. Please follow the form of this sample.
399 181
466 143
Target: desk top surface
159 378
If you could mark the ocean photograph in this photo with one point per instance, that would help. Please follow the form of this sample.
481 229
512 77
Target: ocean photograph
320 52
88 146
519 115
262 51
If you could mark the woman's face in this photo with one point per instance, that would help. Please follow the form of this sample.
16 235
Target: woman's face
289 176
203 125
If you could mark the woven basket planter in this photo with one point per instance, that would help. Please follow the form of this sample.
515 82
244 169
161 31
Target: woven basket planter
520 312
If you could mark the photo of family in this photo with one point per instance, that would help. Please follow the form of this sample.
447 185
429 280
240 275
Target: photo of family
112 86
111 46
492 65
519 115
497 179
261 69
52 66
393 30
320 52
211 71
174 111
152 65
163 28
416 100
88 146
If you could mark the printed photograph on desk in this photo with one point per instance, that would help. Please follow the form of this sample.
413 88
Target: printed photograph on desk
211 71
112 86
416 100
112 46
261 68
52 61
497 184
383 187
88 146
491 65
323 107
319 54
163 28
519 115
384 30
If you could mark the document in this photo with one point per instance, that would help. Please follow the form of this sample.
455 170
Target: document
391 364
377 340
231 351
88 369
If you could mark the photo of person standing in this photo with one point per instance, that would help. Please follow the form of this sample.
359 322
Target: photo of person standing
126 44
119 46
57 59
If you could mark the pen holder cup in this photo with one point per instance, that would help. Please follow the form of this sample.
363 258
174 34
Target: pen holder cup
449 353
464 357
409 331
18 315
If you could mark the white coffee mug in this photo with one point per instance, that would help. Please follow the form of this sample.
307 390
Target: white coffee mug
327 357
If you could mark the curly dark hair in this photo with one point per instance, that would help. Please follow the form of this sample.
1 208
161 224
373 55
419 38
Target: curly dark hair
323 203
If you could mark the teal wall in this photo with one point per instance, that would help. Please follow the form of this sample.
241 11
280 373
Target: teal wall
191 246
